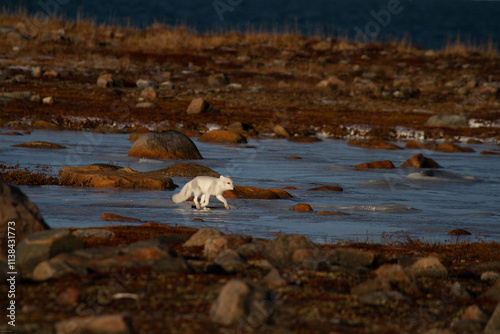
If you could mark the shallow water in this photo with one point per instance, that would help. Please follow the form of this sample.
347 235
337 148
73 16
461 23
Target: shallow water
426 205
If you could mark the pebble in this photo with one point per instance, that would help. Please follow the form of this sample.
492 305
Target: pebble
145 105
48 100
145 83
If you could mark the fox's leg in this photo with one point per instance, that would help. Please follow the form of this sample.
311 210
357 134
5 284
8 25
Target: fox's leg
195 200
223 200
205 198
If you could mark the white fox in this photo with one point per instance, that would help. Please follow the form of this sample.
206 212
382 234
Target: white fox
205 186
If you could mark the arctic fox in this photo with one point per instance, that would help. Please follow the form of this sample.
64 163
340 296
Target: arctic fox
205 186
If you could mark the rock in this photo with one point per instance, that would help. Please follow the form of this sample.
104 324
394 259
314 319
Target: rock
186 170
43 124
242 128
281 250
383 297
273 279
19 79
451 148
296 157
489 153
231 261
365 86
96 324
332 82
254 249
447 120
145 105
51 74
304 139
105 80
218 80
142 84
43 246
69 296
493 325
37 71
169 144
110 176
460 291
475 312
384 164
46 270
415 145
40 144
93 233
198 106
374 144
223 136
352 257
256 193
149 93
419 161
111 216
490 276
280 131
429 266
493 293
303 207
239 300
17 208
214 246
18 95
331 213
327 188
459 231
370 286
200 238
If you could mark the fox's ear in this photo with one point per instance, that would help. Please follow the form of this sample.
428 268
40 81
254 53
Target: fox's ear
221 177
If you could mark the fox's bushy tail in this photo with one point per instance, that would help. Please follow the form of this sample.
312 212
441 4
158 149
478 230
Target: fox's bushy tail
183 195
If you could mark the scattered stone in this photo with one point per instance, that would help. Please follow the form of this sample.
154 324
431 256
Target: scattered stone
281 131
281 250
43 246
447 120
327 188
69 296
459 231
41 145
169 144
223 136
490 276
186 170
142 84
200 238
352 257
198 106
256 193
46 270
111 216
145 105
239 300
273 279
48 100
493 325
332 82
429 266
296 157
51 74
218 80
105 80
451 148
214 246
97 324
231 261
18 95
110 176
303 207
149 93
383 164
16 207
475 312
43 124
93 233
420 161
374 144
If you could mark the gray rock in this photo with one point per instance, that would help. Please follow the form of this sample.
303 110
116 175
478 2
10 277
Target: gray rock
19 95
55 268
218 80
240 301
256 248
93 233
447 120
200 238
231 261
99 324
352 258
144 83
282 249
42 246
165 145
493 325
493 293
17 208
429 266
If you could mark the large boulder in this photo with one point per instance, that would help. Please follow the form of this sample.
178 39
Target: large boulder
256 193
420 161
110 176
169 144
18 213
447 120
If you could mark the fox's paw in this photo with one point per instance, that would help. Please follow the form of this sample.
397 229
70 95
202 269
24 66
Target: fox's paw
206 209
227 207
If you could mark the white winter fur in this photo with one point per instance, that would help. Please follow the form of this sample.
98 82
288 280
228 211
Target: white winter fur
205 186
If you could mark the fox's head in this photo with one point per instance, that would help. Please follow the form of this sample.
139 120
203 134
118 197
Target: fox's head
227 182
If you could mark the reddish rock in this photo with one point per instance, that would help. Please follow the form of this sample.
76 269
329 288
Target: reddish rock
420 161
115 324
41 144
281 131
352 257
374 144
51 74
111 216
459 231
256 193
294 157
185 170
489 153
383 164
200 238
149 93
327 188
165 145
452 148
290 188
199 105
109 176
12 133
214 246
303 207
332 82
223 136
105 80
69 296
331 213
